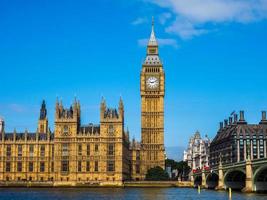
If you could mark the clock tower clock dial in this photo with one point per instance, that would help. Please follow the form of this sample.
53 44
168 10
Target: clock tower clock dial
152 82
152 91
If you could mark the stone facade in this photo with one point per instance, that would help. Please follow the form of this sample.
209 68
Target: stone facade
73 153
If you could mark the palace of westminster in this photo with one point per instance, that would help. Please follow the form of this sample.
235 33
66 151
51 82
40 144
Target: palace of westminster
94 154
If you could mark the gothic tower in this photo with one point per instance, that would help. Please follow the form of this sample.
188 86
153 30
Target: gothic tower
152 108
43 121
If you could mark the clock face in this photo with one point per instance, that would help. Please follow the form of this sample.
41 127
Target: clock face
152 82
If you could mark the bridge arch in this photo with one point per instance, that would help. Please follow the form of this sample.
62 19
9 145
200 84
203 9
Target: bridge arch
198 180
212 180
260 179
235 179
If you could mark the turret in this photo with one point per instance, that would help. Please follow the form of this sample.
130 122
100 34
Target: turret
103 107
152 52
77 110
14 134
121 109
43 121
2 125
73 113
67 120
2 128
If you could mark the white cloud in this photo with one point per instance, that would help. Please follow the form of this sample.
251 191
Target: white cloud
139 20
161 42
193 15
164 17
185 29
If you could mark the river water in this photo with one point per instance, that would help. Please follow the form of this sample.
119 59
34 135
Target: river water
120 193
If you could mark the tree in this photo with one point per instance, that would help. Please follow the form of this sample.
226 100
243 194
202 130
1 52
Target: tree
182 167
157 174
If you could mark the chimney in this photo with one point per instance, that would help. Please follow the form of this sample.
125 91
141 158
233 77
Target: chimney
235 118
225 123
221 125
230 121
263 117
242 118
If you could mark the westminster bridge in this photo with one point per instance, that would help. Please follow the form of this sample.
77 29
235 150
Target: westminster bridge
248 176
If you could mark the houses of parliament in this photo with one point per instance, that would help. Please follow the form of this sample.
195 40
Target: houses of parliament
75 154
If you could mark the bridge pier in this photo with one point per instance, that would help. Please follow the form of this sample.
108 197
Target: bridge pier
249 173
192 179
203 184
221 182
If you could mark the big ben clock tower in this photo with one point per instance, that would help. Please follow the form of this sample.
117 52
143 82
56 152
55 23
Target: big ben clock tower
152 108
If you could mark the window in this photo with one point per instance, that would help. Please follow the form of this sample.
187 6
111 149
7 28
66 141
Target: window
255 151
53 151
42 128
65 149
65 130
79 166
79 149
96 166
152 51
111 148
31 150
88 166
65 166
261 146
88 150
30 166
42 166
137 155
111 166
111 129
52 166
96 147
8 167
42 151
19 150
137 169
8 150
19 166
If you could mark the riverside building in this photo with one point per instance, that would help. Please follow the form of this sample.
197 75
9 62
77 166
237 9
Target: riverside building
76 154
197 153
236 141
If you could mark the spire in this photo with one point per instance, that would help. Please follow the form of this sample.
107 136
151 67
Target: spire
152 40
43 111
120 103
103 104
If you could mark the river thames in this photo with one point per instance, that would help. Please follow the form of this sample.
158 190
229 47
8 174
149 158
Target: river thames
119 193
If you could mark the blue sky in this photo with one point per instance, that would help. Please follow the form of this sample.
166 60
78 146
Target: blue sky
214 54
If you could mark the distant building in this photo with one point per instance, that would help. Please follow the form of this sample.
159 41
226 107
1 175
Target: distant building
236 140
197 153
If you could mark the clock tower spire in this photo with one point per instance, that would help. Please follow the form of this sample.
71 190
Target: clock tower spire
152 89
152 46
